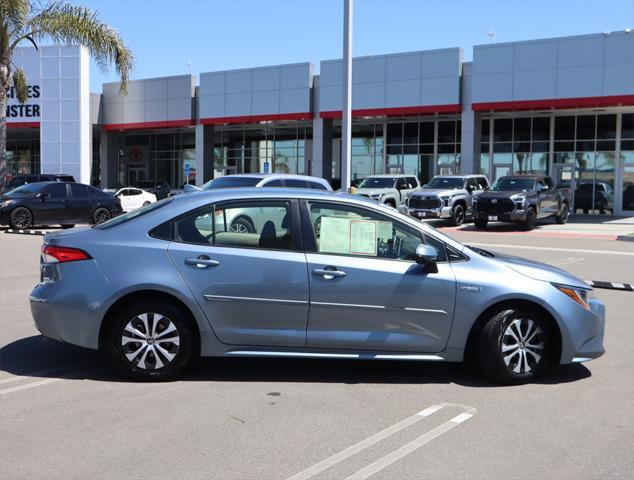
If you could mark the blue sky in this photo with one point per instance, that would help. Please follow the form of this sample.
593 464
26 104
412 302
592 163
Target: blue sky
217 34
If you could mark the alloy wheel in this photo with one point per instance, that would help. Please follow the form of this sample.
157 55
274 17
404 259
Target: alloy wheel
239 227
522 346
150 341
22 218
101 216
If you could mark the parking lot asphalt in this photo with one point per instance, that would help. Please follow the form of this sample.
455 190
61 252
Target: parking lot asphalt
64 413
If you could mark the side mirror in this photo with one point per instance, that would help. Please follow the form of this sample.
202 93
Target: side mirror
42 196
426 254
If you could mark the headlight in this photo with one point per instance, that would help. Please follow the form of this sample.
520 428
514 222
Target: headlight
579 295
6 203
445 200
376 196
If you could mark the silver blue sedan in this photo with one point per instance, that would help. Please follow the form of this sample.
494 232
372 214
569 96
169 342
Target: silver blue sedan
320 275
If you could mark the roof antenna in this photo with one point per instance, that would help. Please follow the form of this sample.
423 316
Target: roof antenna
491 35
189 65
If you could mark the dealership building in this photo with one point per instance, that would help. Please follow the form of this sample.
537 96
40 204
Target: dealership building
560 106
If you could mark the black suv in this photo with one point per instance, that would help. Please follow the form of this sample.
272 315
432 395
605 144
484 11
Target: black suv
23 179
160 188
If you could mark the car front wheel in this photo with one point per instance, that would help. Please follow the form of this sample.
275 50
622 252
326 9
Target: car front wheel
21 218
458 215
151 341
511 346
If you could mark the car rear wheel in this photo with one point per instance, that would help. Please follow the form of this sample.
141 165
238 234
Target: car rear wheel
563 215
146 203
531 218
101 215
242 225
511 347
457 217
481 223
151 341
21 218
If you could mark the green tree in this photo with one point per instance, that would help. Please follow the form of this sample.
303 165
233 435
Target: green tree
30 22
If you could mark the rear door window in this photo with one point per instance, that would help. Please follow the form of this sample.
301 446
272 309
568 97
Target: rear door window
266 225
78 190
316 185
295 183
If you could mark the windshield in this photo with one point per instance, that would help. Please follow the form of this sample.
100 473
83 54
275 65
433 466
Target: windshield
26 190
510 184
378 182
133 214
445 182
232 182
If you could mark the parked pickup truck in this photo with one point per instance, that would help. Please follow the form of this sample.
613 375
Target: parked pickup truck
447 196
521 199
391 190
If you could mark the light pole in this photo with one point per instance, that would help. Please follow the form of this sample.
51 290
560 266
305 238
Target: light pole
346 110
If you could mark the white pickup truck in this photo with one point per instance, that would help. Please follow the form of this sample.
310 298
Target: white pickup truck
391 190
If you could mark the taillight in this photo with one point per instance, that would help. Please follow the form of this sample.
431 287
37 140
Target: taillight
54 254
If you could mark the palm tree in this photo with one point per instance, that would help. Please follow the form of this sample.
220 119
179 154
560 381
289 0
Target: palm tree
24 21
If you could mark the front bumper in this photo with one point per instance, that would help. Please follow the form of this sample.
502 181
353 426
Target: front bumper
513 216
442 212
585 330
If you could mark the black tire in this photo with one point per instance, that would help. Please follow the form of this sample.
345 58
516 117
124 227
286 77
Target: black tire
143 366
101 215
480 223
242 225
531 218
390 203
146 203
458 215
67 226
562 216
494 346
21 218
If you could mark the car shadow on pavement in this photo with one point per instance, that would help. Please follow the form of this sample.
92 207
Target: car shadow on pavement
39 357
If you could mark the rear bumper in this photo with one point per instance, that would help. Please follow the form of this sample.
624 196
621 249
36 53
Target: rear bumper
69 309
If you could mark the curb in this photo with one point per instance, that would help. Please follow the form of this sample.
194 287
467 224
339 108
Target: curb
26 232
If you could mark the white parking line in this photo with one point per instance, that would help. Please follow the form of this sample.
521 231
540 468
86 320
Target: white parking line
47 381
40 373
566 261
410 447
553 249
382 435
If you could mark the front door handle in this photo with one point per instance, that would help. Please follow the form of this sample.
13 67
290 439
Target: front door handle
203 261
328 273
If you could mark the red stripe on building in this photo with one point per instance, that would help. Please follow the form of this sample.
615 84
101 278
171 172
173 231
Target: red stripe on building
396 111
256 118
557 103
144 125
23 124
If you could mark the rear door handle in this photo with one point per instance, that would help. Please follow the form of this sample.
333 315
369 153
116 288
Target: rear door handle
203 261
327 273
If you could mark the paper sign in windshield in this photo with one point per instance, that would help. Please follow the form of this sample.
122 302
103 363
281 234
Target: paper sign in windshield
363 237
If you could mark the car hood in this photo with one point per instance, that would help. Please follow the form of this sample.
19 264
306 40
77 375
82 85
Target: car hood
540 271
373 191
438 192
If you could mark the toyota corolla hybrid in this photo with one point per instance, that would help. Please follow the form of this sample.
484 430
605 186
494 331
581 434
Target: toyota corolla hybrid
369 283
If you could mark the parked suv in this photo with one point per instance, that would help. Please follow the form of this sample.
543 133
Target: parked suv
20 180
160 188
447 196
521 199
391 190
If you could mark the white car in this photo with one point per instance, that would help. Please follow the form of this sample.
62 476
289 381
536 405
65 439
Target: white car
132 198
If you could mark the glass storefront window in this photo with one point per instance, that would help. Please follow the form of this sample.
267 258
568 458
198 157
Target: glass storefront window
628 186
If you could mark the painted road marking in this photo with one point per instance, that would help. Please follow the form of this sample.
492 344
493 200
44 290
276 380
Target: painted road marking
566 261
410 447
382 435
553 249
47 381
40 373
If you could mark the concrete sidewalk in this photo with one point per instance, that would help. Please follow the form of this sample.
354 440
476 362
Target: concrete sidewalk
585 226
